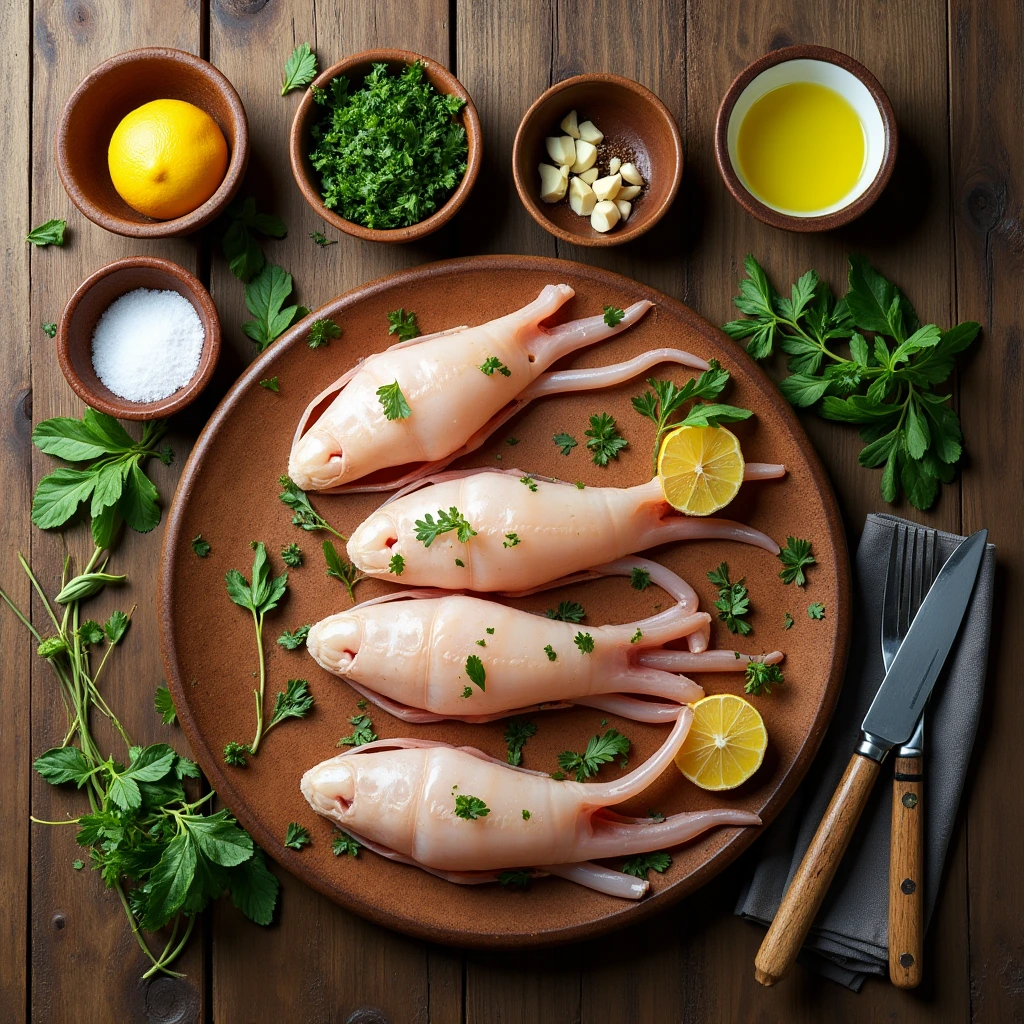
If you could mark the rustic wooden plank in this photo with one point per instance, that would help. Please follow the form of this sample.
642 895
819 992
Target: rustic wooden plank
350 964
85 964
16 465
988 183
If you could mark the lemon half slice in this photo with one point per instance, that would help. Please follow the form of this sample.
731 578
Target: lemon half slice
701 469
725 744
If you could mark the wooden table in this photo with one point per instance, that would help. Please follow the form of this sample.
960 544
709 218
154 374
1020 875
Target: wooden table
948 230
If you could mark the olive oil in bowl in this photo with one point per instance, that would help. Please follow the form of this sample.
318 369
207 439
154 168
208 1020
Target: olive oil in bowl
801 148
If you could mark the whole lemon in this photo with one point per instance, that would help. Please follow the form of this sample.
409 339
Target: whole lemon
166 158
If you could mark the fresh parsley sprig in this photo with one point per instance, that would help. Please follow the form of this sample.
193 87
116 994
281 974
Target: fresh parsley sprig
296 836
605 440
321 331
339 569
733 600
403 325
295 702
564 442
303 513
567 611
362 732
795 557
427 530
761 678
600 750
393 402
492 363
517 732
293 639
265 297
642 863
470 807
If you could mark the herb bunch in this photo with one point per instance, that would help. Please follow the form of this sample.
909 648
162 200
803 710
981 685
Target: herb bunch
885 386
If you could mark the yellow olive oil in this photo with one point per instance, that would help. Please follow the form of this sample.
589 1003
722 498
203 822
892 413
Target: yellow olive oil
801 147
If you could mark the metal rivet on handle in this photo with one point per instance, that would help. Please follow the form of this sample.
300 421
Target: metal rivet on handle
909 886
906 960
910 800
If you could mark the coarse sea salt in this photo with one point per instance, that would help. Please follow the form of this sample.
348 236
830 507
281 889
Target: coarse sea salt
147 344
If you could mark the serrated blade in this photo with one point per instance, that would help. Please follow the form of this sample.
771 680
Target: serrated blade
908 683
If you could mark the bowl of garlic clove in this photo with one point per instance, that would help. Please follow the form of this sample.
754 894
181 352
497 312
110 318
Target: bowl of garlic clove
597 160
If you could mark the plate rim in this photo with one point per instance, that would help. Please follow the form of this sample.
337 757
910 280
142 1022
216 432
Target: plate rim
631 913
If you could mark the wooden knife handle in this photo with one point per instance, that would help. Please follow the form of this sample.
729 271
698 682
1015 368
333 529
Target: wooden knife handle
906 876
812 879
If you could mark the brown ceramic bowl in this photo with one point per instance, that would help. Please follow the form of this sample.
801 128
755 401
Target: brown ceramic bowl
637 126
90 301
114 89
851 80
355 68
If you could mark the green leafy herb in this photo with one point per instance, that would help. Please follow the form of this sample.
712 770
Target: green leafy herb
787 622
476 671
362 732
199 546
295 702
303 513
605 441
467 691
271 384
397 564
511 441
460 563
492 363
529 482
296 836
50 330
322 240
164 705
265 297
291 640
567 611
600 750
613 315
241 250
342 844
339 569
50 233
655 815
489 629
585 642
580 485
299 69
235 754
816 611
519 879
526 815
550 652
258 598
321 332
885 386
761 677
733 601
511 540
481 643
427 531
292 556
78 864
642 863
403 325
517 732
565 443
391 152
470 807
636 637
639 577
393 402
795 557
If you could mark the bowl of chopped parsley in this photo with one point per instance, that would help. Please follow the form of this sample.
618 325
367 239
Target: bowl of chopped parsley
386 145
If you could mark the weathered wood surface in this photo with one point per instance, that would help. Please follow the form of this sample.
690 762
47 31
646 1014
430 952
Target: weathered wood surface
947 229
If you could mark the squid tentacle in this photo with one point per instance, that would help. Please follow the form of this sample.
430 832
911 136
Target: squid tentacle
709 661
633 708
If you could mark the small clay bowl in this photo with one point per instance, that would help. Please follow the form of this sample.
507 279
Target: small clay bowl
637 126
112 90
853 81
92 298
355 69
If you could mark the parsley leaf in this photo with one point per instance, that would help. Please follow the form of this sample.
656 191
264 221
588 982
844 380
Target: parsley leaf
265 297
517 732
795 556
600 750
613 315
519 878
529 482
565 443
291 640
303 513
403 324
511 540
271 384
241 250
550 652
761 677
639 577
50 233
164 705
476 671
427 531
393 402
511 441
787 622
299 69
362 732
339 569
470 807
585 642
199 546
296 836
605 441
322 240
816 611
295 702
733 601
342 844
235 754
467 691
397 564
292 555
567 611
636 637
50 330
321 332
642 863
492 363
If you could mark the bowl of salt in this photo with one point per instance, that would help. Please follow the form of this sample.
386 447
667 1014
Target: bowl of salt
139 339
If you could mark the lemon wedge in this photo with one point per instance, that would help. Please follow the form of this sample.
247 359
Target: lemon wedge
701 469
725 744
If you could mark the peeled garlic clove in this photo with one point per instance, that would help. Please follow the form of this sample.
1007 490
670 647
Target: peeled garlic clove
613 165
561 149
628 192
607 188
590 176
605 216
631 174
581 197
589 133
569 125
564 171
624 208
552 184
586 156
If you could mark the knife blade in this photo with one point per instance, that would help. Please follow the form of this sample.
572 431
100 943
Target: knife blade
908 684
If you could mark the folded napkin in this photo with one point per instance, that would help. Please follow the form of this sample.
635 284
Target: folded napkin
849 937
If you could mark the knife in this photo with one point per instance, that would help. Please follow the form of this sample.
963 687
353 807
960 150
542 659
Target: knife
890 721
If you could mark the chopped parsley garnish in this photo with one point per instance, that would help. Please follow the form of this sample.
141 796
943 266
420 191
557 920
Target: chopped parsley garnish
519 879
644 862
655 815
639 578
403 324
339 569
526 815
322 240
476 671
393 402
613 315
585 642
511 441
600 750
517 732
50 330
303 513
235 754
295 702
550 652
529 482
292 556
787 622
470 807
291 640
467 691
362 732
427 531
78 864
511 540
296 836
567 611
636 637
733 602
481 643
362 703
492 363
342 844
795 557
489 629
816 611
565 443
761 677
321 332
460 563
199 546
271 384
580 485
397 564
605 441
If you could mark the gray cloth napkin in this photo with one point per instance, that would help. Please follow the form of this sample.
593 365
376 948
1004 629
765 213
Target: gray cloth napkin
849 937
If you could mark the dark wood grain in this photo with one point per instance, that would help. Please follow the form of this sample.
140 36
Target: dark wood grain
906 877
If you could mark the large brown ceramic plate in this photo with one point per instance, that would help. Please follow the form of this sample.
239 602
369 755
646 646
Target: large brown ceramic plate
228 493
